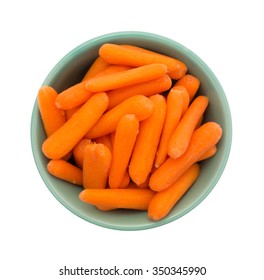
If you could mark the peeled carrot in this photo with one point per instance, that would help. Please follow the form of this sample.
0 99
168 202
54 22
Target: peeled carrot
199 122
176 74
118 198
67 136
191 83
147 141
98 65
163 202
149 88
125 138
112 69
96 165
66 171
145 184
70 112
139 105
112 137
211 152
185 96
78 94
106 140
203 139
51 116
73 96
126 78
136 56
104 208
125 181
78 151
181 136
173 115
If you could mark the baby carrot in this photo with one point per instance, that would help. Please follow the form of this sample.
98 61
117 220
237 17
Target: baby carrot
78 151
78 94
125 181
73 96
191 83
106 140
67 136
96 165
136 56
66 171
125 138
185 96
181 136
147 141
203 139
211 152
176 74
199 122
98 65
126 78
118 198
143 185
139 105
51 116
112 137
149 88
173 115
163 202
70 112
112 69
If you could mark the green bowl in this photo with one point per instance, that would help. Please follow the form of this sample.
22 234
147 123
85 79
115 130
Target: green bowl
70 70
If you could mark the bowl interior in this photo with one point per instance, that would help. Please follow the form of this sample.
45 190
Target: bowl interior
70 70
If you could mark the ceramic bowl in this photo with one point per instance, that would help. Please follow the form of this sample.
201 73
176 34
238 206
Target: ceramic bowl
70 70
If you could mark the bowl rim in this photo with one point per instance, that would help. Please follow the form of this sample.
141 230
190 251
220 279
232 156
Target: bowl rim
164 40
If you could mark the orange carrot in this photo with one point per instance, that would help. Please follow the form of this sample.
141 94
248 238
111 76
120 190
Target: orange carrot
176 74
191 83
181 136
145 184
125 181
211 152
112 69
106 140
73 96
98 65
118 198
112 137
51 116
173 115
78 94
126 78
66 171
96 165
185 96
125 138
136 56
163 201
78 151
104 208
203 139
70 112
139 105
67 136
200 122
149 88
147 141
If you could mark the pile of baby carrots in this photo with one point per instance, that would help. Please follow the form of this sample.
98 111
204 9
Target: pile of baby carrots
131 133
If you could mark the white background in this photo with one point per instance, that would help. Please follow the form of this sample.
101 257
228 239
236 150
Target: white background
224 233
